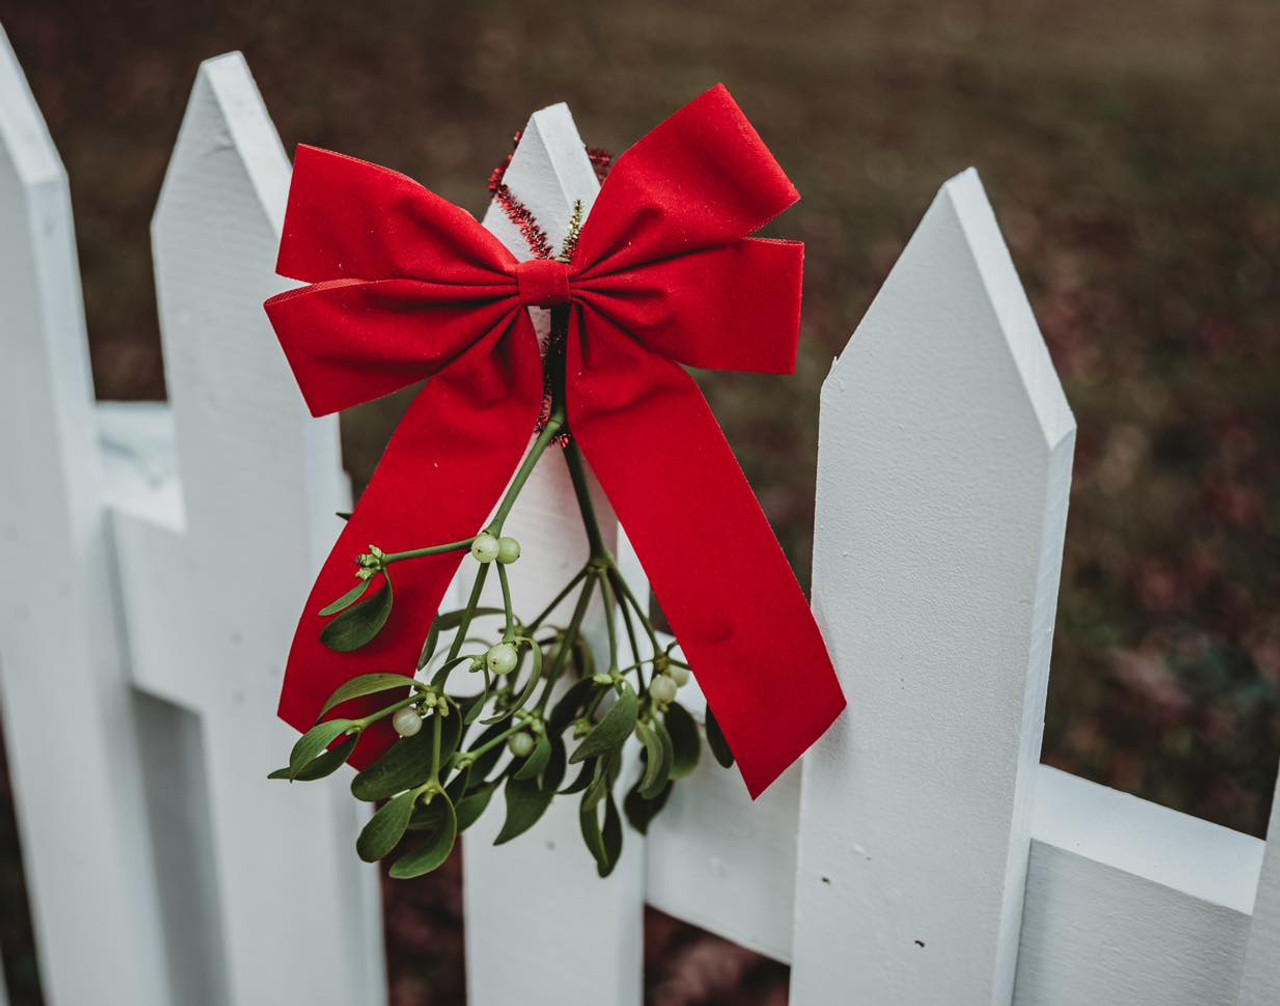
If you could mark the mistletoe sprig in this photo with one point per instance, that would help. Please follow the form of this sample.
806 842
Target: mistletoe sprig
539 708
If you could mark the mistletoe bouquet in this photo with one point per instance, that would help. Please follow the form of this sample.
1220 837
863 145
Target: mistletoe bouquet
438 710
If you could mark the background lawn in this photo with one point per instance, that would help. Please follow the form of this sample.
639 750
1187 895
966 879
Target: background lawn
1131 153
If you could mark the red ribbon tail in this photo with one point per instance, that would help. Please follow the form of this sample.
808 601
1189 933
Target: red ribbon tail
714 563
444 469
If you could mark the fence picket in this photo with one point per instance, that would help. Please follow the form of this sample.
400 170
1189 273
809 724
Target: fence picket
540 925
1260 984
944 467
70 722
296 914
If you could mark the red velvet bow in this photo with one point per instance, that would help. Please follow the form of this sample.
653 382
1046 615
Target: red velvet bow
407 286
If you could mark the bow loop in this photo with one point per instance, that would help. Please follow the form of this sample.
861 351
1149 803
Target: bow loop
701 179
349 219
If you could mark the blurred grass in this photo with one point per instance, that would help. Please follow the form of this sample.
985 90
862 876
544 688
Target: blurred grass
1132 157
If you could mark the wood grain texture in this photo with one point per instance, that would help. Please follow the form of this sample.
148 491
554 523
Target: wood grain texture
70 720
538 920
212 602
943 473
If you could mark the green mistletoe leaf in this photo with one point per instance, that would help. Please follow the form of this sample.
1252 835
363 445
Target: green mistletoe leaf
611 731
526 803
585 775
406 765
553 774
683 730
359 625
653 756
314 743
347 599
641 812
666 759
365 684
475 803
321 766
567 706
435 850
607 769
604 844
385 829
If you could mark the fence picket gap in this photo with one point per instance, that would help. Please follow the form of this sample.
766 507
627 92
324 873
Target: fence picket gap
260 480
944 468
68 710
537 916
1260 983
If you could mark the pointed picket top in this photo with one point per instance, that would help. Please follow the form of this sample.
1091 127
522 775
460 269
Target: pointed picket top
239 416
550 170
226 114
944 469
976 277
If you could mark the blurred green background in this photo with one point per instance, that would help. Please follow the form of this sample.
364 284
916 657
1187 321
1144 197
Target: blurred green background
1131 153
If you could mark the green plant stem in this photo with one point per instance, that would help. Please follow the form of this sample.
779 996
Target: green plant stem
537 622
468 613
510 631
366 721
582 490
635 645
624 589
548 434
435 748
422 553
493 742
570 638
610 620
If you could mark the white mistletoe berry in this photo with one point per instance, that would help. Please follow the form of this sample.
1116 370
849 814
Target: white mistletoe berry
663 689
508 550
485 547
680 675
521 744
406 721
501 658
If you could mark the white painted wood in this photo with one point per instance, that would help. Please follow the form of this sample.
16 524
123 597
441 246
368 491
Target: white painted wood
943 473
212 600
726 864
69 715
539 922
721 861
1129 902
1260 982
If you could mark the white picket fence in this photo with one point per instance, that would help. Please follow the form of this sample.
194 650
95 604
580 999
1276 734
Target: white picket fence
154 557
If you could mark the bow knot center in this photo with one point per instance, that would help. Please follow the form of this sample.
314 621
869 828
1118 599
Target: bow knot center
543 283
